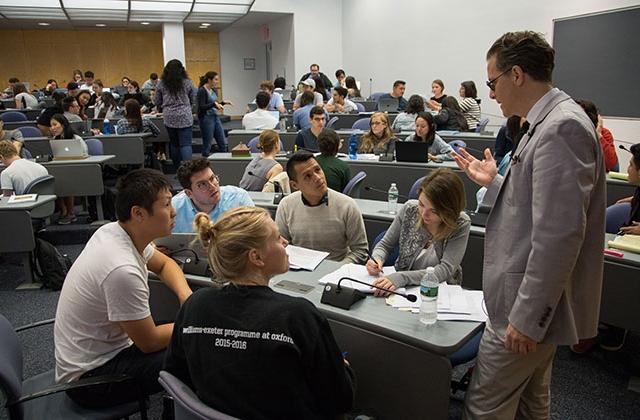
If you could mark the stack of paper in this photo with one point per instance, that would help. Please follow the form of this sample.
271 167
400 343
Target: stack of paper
403 304
626 242
355 271
304 258
24 198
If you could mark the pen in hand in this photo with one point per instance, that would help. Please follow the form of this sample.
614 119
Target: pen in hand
372 259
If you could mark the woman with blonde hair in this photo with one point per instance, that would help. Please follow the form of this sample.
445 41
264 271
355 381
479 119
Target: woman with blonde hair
431 231
380 139
275 350
264 166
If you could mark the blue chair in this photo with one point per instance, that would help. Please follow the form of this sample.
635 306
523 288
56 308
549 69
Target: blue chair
331 122
13 116
617 214
253 145
361 124
457 144
482 125
354 185
393 256
467 353
95 147
360 107
376 95
186 404
29 132
413 192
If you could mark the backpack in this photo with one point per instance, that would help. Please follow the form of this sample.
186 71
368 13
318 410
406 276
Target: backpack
50 266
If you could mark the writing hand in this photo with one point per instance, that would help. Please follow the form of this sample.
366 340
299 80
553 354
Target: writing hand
517 342
481 172
373 267
634 229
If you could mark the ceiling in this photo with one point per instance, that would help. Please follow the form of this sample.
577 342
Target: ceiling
196 15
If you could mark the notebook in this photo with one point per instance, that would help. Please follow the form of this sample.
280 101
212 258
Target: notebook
68 149
412 151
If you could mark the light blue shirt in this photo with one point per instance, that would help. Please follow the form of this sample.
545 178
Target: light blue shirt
230 198
275 102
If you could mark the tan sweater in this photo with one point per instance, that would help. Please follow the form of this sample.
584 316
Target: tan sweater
336 228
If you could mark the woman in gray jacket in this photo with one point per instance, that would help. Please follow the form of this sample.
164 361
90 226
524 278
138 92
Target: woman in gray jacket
431 232
425 127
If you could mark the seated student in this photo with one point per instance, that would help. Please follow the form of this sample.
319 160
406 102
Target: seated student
52 85
319 218
437 88
263 167
83 98
469 104
352 88
14 136
308 138
260 119
133 121
399 87
133 92
336 171
275 102
406 120
604 135
340 79
450 116
151 82
18 172
202 193
507 138
380 139
321 88
339 103
279 85
426 132
431 231
44 119
24 100
103 321
97 88
77 77
309 85
301 115
106 107
300 376
632 225
73 89
88 81
71 109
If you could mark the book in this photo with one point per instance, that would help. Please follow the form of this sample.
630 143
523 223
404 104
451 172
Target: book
24 198
626 242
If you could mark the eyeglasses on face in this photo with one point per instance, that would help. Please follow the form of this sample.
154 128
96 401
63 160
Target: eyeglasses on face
204 185
491 84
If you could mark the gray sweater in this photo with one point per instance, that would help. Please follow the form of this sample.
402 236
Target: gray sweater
412 238
336 227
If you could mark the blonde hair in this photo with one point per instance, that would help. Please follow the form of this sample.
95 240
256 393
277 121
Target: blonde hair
445 190
230 239
268 140
369 141
7 149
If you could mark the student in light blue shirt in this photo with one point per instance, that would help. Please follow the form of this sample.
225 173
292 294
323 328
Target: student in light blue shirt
202 193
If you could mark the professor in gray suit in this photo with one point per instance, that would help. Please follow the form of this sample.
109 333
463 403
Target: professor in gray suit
543 260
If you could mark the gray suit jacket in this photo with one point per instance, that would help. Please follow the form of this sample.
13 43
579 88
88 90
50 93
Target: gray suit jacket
543 257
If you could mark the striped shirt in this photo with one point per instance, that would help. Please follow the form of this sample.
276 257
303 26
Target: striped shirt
471 111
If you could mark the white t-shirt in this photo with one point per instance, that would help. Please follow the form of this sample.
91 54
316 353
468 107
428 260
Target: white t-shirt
29 99
259 119
349 106
105 285
19 174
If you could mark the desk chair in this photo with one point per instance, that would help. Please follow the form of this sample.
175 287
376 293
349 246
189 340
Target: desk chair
354 185
413 192
331 122
457 144
95 147
482 125
617 214
44 185
187 405
13 116
361 124
39 397
391 258
360 107
376 95
29 132
253 145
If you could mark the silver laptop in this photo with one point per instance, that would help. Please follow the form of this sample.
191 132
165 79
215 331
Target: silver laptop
68 149
388 105
182 242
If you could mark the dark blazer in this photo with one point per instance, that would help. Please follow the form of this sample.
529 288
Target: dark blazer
204 102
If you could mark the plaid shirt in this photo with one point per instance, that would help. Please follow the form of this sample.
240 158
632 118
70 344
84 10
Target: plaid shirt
125 127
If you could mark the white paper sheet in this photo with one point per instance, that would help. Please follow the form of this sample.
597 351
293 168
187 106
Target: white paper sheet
358 272
304 258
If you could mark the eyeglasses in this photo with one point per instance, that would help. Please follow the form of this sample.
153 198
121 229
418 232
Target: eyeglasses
491 84
213 181
378 123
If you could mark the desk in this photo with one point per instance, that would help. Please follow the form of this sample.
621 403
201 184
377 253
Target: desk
127 149
12 125
81 177
398 361
17 235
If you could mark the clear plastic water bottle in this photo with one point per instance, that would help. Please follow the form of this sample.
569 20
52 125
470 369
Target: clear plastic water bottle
429 295
353 147
106 126
393 198
283 124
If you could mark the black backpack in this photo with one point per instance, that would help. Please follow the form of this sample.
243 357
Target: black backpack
50 266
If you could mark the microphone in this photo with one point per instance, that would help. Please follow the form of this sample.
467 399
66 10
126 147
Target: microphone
370 87
409 297
277 188
344 297
192 266
368 188
623 147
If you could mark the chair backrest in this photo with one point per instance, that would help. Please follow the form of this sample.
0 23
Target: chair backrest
95 147
482 125
283 179
360 107
253 144
187 405
376 95
29 132
413 192
331 122
42 185
457 144
10 361
355 185
393 256
617 214
13 116
361 124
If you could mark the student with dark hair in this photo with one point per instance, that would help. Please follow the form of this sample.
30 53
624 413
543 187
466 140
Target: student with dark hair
314 72
406 120
301 115
320 218
151 83
83 98
133 121
260 119
604 135
321 88
437 88
308 138
97 89
279 84
103 321
336 171
425 131
339 103
469 104
77 77
208 119
44 119
632 225
450 117
176 96
73 89
264 166
309 85
352 88
399 86
23 98
303 376
71 109
133 92
340 78
202 193
88 81
106 107
276 102
52 85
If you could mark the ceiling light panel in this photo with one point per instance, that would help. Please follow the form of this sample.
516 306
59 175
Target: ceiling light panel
33 13
220 8
245 2
159 6
93 14
32 3
157 16
96 4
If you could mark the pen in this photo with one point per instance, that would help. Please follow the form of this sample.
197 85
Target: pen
613 253
371 258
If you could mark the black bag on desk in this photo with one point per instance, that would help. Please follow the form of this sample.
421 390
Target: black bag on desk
50 266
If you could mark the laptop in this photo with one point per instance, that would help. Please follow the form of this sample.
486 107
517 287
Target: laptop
80 128
68 149
412 151
388 105
182 241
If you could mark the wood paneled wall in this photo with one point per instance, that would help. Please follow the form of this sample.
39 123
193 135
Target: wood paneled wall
37 55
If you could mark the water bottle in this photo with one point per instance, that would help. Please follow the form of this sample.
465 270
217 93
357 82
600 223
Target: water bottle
106 126
283 124
429 295
393 198
353 147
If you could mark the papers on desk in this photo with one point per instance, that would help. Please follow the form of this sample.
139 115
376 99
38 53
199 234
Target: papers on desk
626 242
304 258
454 303
24 198
368 156
355 271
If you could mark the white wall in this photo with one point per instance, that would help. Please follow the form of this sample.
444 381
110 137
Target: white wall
282 48
173 42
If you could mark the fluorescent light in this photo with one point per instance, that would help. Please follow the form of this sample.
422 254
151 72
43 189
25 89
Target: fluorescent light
205 24
144 23
101 25
43 24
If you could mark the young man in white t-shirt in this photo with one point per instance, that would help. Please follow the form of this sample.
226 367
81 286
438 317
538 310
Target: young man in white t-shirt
103 321
18 173
260 119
